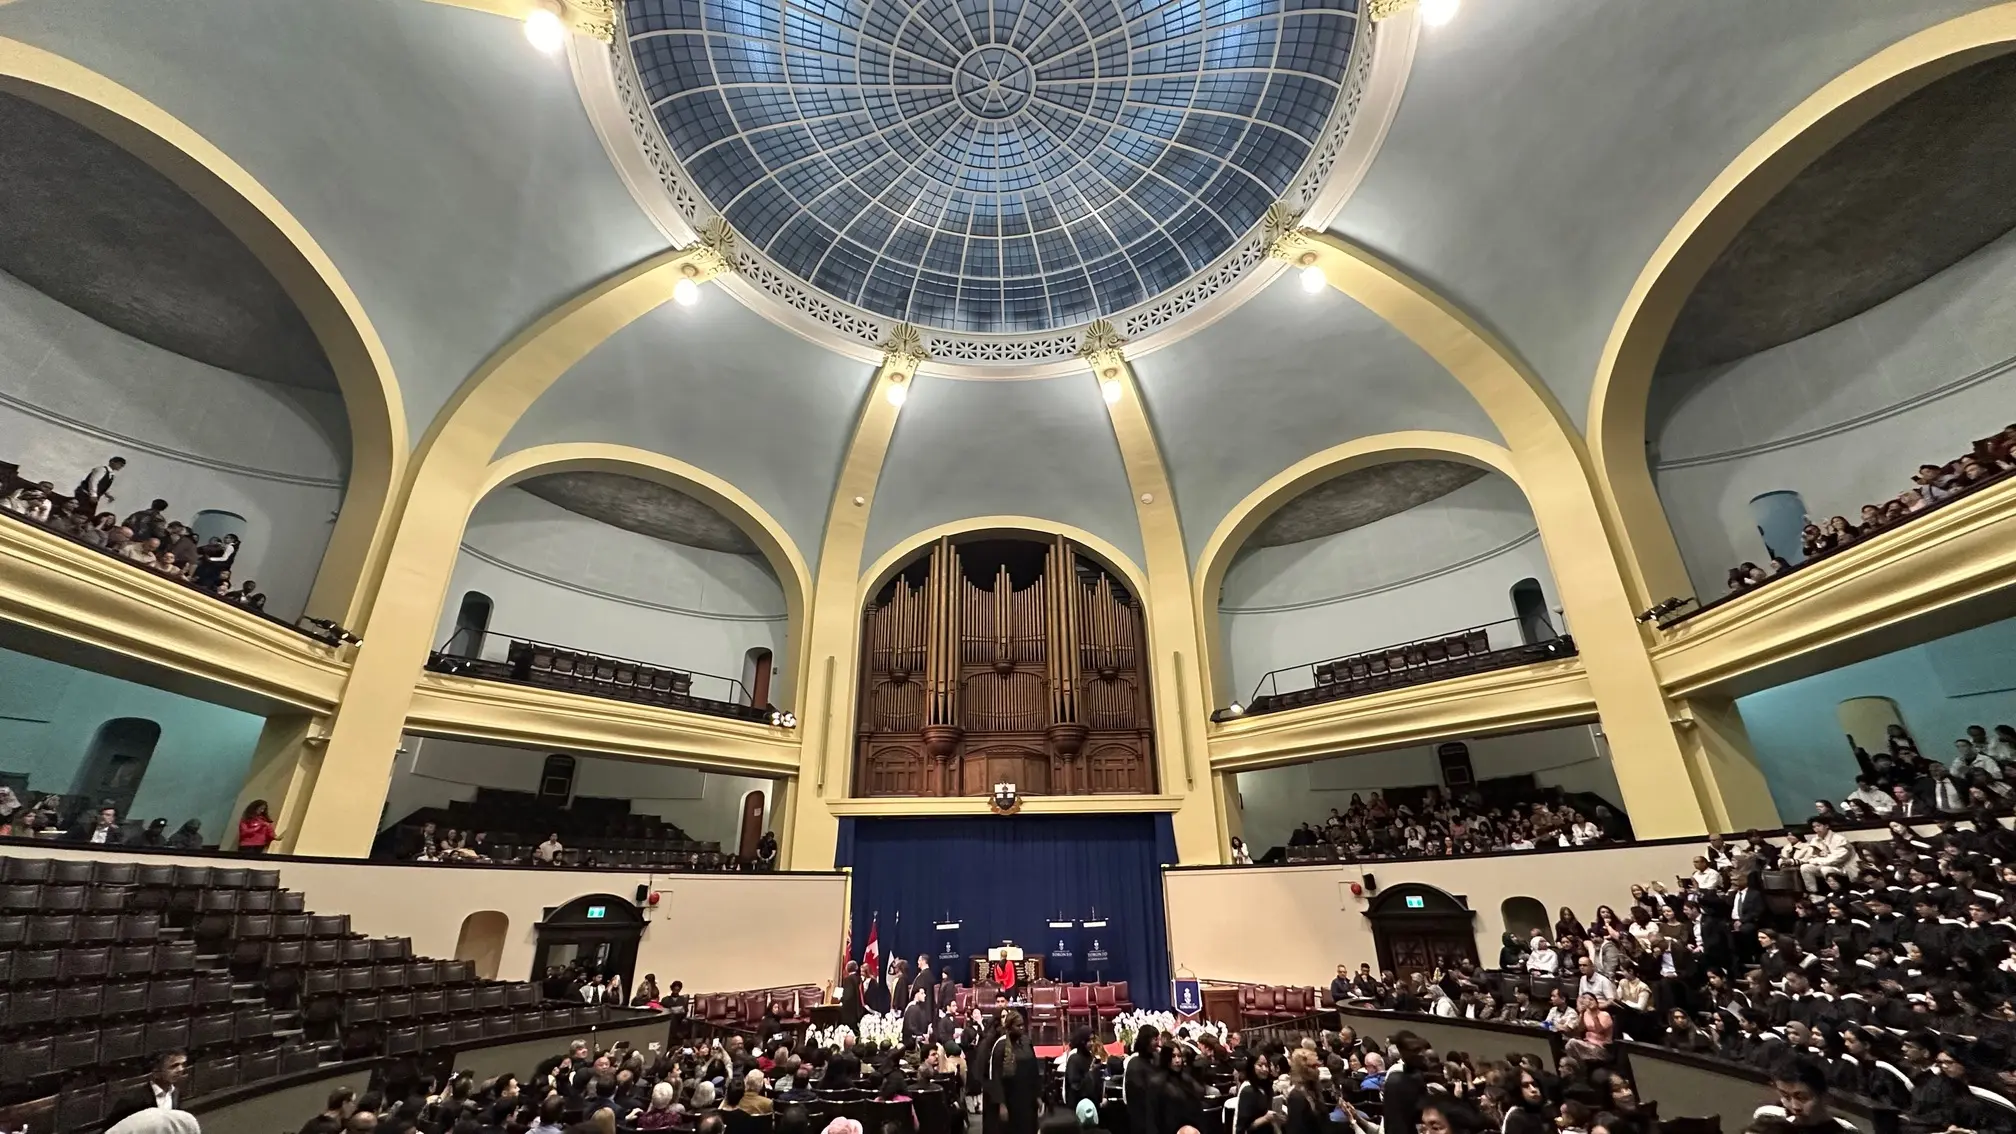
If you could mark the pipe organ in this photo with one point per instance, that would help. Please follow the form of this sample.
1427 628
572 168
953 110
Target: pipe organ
1004 661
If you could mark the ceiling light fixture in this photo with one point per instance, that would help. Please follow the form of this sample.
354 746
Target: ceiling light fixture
1313 281
897 393
1435 13
544 28
1110 390
686 293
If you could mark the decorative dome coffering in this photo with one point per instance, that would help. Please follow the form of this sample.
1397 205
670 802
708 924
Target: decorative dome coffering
993 166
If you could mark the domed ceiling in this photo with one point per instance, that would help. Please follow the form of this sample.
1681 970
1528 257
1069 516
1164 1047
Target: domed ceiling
994 166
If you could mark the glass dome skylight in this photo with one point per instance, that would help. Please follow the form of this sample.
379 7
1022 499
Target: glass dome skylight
992 165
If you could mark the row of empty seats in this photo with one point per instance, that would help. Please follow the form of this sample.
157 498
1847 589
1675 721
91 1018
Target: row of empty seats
1277 1004
104 964
1430 659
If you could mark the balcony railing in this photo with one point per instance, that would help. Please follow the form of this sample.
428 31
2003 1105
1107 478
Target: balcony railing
1479 649
495 656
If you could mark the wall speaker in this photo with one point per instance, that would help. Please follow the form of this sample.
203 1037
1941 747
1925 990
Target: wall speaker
1371 885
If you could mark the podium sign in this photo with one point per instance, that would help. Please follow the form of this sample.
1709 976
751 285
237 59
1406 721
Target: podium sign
1062 959
1187 996
949 952
1098 958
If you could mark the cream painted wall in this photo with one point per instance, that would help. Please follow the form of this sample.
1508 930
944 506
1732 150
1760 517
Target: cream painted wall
799 942
556 576
74 392
1843 416
1442 567
1312 923
706 805
1275 800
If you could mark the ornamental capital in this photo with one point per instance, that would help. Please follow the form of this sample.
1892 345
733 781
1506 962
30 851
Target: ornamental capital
903 348
1101 339
1286 239
711 255
595 18
1386 9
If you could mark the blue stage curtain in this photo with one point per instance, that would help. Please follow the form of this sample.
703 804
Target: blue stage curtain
1007 877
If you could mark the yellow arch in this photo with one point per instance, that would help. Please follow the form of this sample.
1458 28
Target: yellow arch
1617 401
448 477
758 524
378 440
879 572
1298 478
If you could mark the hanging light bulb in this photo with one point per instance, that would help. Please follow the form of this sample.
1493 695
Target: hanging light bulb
1109 388
544 29
1435 13
1313 280
686 293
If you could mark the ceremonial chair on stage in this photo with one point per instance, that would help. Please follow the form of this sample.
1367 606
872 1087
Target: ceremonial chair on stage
1105 1003
1046 1009
1078 1006
1120 996
987 998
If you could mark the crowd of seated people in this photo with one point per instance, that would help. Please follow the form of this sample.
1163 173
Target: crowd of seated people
502 825
1888 962
147 538
46 815
1989 461
1444 826
1900 782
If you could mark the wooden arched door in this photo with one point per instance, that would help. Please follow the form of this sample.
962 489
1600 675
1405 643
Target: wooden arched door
1420 928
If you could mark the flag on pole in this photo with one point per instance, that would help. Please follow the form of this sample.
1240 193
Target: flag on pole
871 955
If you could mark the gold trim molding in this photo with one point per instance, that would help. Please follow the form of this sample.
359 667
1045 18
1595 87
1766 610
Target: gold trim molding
1031 805
502 713
1546 695
191 643
1938 574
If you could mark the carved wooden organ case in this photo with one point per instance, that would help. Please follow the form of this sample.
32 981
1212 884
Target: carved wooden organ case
965 685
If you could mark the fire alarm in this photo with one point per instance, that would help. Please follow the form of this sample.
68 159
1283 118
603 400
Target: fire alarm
1357 891
653 900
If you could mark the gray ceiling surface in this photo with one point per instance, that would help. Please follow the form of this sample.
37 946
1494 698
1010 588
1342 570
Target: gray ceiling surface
1359 497
97 229
446 166
1914 191
1544 148
721 388
642 506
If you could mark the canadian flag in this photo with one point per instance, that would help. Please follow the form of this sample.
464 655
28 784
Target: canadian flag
871 955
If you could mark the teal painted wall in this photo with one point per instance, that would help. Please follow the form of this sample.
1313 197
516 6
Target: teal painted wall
49 713
1940 688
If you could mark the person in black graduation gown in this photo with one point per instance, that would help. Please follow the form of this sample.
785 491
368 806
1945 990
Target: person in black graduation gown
1084 1072
851 1009
917 1015
1138 1081
1014 1078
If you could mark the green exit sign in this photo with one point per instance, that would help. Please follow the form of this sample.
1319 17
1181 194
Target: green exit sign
1414 902
603 911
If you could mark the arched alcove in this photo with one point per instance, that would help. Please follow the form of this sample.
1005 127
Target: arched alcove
1529 605
472 625
1840 209
195 209
115 763
1523 916
994 657
481 941
1392 546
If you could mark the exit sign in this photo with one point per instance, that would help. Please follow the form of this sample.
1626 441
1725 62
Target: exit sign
603 911
1414 902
